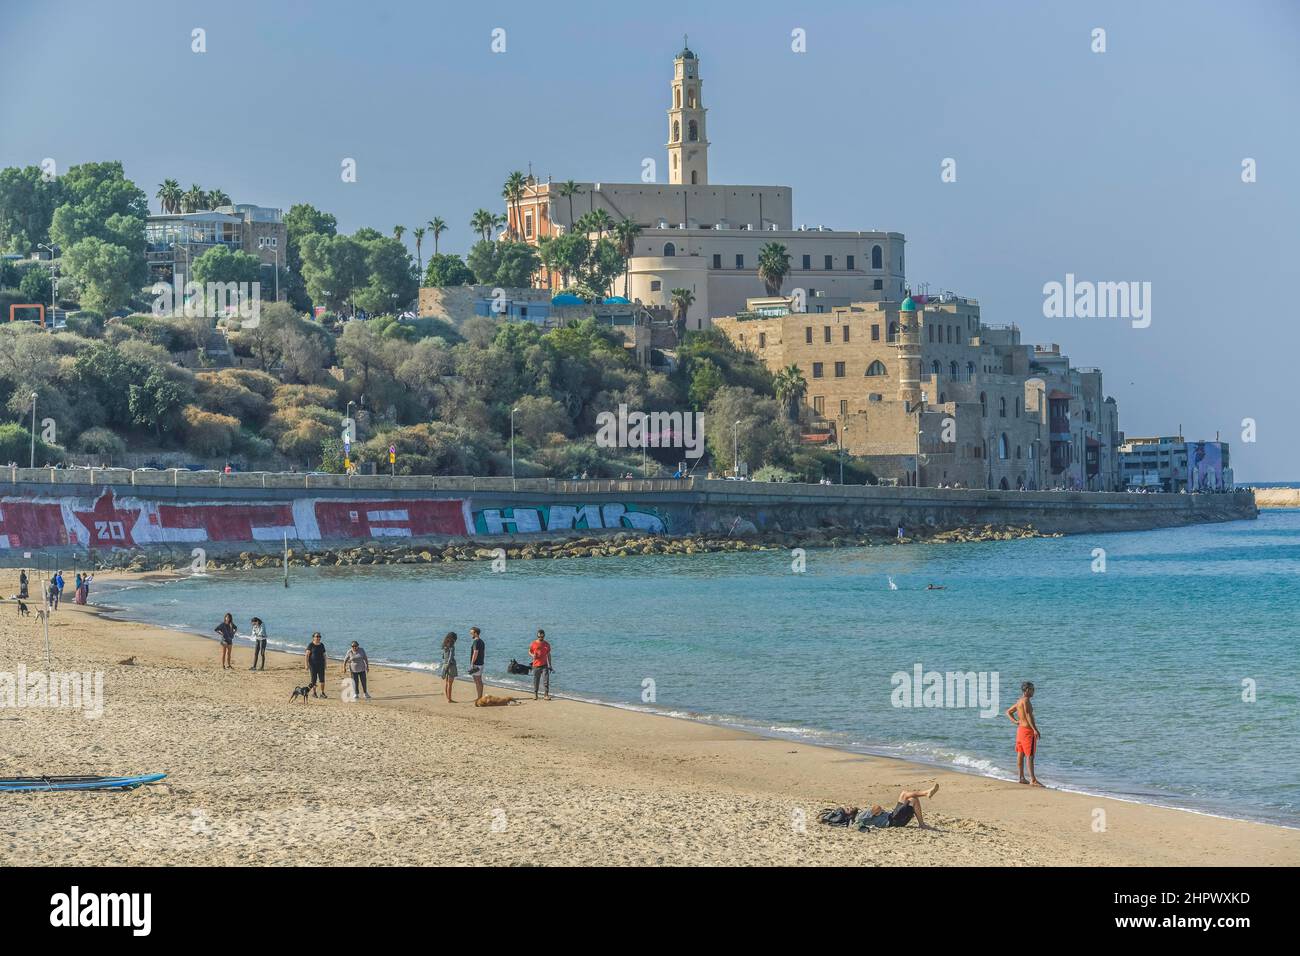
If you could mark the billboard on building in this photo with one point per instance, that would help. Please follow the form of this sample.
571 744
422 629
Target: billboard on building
1204 466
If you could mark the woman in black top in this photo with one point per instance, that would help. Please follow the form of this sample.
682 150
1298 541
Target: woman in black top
316 663
227 631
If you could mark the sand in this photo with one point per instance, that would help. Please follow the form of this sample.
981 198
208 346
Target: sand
410 779
1277 497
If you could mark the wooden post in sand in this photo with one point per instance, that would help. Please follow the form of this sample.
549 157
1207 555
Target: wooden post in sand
286 559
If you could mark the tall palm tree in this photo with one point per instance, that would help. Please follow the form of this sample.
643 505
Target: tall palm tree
546 256
625 233
497 221
567 190
513 193
437 227
169 196
773 266
398 232
682 300
193 199
601 221
419 240
482 222
218 197
791 387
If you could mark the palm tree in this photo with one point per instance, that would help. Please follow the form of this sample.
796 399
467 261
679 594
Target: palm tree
398 232
497 221
169 196
193 199
682 300
513 193
601 222
567 190
437 227
773 266
791 387
546 256
482 222
218 197
625 233
419 240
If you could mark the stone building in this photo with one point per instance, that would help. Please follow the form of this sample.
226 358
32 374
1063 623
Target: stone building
705 237
174 240
928 394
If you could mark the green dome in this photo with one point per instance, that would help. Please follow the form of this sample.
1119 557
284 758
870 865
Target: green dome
908 305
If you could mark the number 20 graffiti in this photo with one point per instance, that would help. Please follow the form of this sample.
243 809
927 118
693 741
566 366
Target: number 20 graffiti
110 531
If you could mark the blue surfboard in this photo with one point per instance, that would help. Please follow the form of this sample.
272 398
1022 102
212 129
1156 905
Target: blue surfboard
19 784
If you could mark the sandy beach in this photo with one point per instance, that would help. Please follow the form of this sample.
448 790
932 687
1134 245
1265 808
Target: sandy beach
410 779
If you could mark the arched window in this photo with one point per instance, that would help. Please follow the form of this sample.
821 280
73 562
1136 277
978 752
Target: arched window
1018 456
876 368
952 370
693 131
1002 447
677 98
1002 407
1003 485
695 178
984 405
669 249
970 369
677 131
934 368
877 258
942 399
892 333
1017 412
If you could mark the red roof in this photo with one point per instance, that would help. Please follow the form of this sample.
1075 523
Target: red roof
816 438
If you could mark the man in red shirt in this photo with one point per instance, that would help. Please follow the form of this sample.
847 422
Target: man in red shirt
540 650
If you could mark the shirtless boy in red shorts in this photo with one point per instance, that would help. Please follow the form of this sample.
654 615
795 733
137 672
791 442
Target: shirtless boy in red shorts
1022 712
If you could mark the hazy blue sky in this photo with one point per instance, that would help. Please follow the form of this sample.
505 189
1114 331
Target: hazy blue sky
1117 166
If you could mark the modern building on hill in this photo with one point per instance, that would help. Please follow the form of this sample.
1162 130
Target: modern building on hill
174 240
1171 463
705 237
929 395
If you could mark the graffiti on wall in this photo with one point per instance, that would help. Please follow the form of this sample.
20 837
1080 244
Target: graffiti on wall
567 518
112 522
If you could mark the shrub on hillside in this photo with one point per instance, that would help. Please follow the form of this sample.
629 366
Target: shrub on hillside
207 433
16 445
302 396
220 392
100 442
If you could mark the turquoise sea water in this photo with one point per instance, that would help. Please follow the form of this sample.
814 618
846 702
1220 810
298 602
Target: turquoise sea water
1139 669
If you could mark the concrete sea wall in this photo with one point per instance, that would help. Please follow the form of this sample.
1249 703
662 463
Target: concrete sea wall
82 511
1277 497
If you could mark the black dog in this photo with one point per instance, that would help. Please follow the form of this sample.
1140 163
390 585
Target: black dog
299 692
517 668
22 609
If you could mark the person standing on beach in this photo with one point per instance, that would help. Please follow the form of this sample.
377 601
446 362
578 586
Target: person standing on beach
540 651
22 583
356 663
259 643
227 630
476 651
448 666
58 588
316 664
1022 712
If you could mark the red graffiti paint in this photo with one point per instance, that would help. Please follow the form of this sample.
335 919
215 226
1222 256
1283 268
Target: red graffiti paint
28 524
232 522
395 519
108 525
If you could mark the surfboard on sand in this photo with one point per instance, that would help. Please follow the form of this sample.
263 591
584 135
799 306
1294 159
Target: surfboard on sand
17 784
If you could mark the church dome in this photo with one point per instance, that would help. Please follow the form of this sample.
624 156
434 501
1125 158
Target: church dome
686 54
908 305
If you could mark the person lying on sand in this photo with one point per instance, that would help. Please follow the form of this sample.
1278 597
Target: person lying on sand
909 805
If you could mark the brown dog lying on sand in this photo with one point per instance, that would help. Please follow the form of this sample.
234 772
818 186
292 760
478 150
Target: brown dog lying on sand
487 700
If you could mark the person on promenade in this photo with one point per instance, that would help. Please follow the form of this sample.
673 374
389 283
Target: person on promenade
477 649
259 643
540 651
1022 712
227 630
448 666
316 663
908 806
22 583
356 663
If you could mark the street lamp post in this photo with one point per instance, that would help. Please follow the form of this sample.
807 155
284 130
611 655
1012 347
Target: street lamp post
735 442
33 463
512 448
54 282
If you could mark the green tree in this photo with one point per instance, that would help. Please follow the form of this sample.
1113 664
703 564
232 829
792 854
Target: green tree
682 300
169 196
333 267
103 271
773 266
390 280
706 379
36 285
513 193
221 264
218 198
506 264
791 387
447 270
28 200
567 190
15 445
300 221
482 222
437 227
418 233
625 236
194 199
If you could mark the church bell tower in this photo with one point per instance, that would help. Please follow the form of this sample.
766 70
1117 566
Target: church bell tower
688 144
